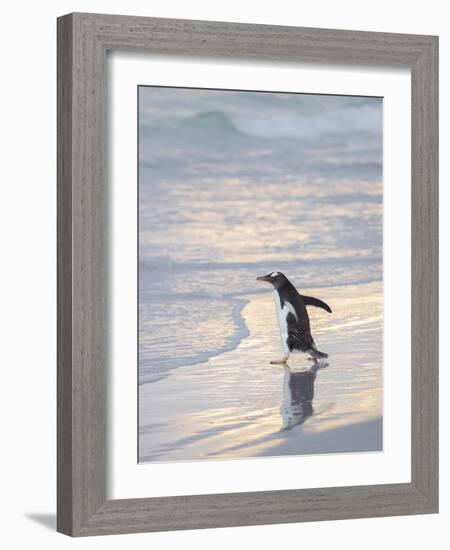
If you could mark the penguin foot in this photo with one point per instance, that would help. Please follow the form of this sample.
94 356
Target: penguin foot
281 361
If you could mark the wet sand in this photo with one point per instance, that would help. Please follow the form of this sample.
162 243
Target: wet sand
238 405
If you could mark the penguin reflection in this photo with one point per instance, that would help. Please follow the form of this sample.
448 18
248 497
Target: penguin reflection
298 394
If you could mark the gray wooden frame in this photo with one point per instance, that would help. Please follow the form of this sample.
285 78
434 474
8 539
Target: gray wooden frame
83 40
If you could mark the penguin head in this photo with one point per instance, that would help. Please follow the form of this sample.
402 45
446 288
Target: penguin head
275 278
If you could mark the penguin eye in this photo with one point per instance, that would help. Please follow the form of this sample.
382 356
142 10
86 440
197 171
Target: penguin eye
274 274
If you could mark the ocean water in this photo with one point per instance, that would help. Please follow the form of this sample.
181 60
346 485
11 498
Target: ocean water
233 185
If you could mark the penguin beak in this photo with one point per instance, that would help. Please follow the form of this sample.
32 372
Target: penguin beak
262 278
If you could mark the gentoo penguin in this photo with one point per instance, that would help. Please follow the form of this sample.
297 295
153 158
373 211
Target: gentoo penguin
292 317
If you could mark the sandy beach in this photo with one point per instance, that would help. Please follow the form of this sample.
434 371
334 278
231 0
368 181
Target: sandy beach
237 405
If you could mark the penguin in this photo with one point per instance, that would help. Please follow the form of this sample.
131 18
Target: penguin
292 317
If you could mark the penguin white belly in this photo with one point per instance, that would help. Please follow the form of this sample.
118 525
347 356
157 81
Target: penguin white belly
282 313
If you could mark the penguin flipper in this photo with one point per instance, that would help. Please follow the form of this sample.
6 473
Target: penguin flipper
310 301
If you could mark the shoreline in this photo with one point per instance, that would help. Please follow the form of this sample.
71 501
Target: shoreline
243 299
233 342
231 405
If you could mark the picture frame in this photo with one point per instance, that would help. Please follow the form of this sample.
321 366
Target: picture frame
83 40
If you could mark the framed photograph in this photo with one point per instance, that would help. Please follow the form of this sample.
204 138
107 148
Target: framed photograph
247 274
